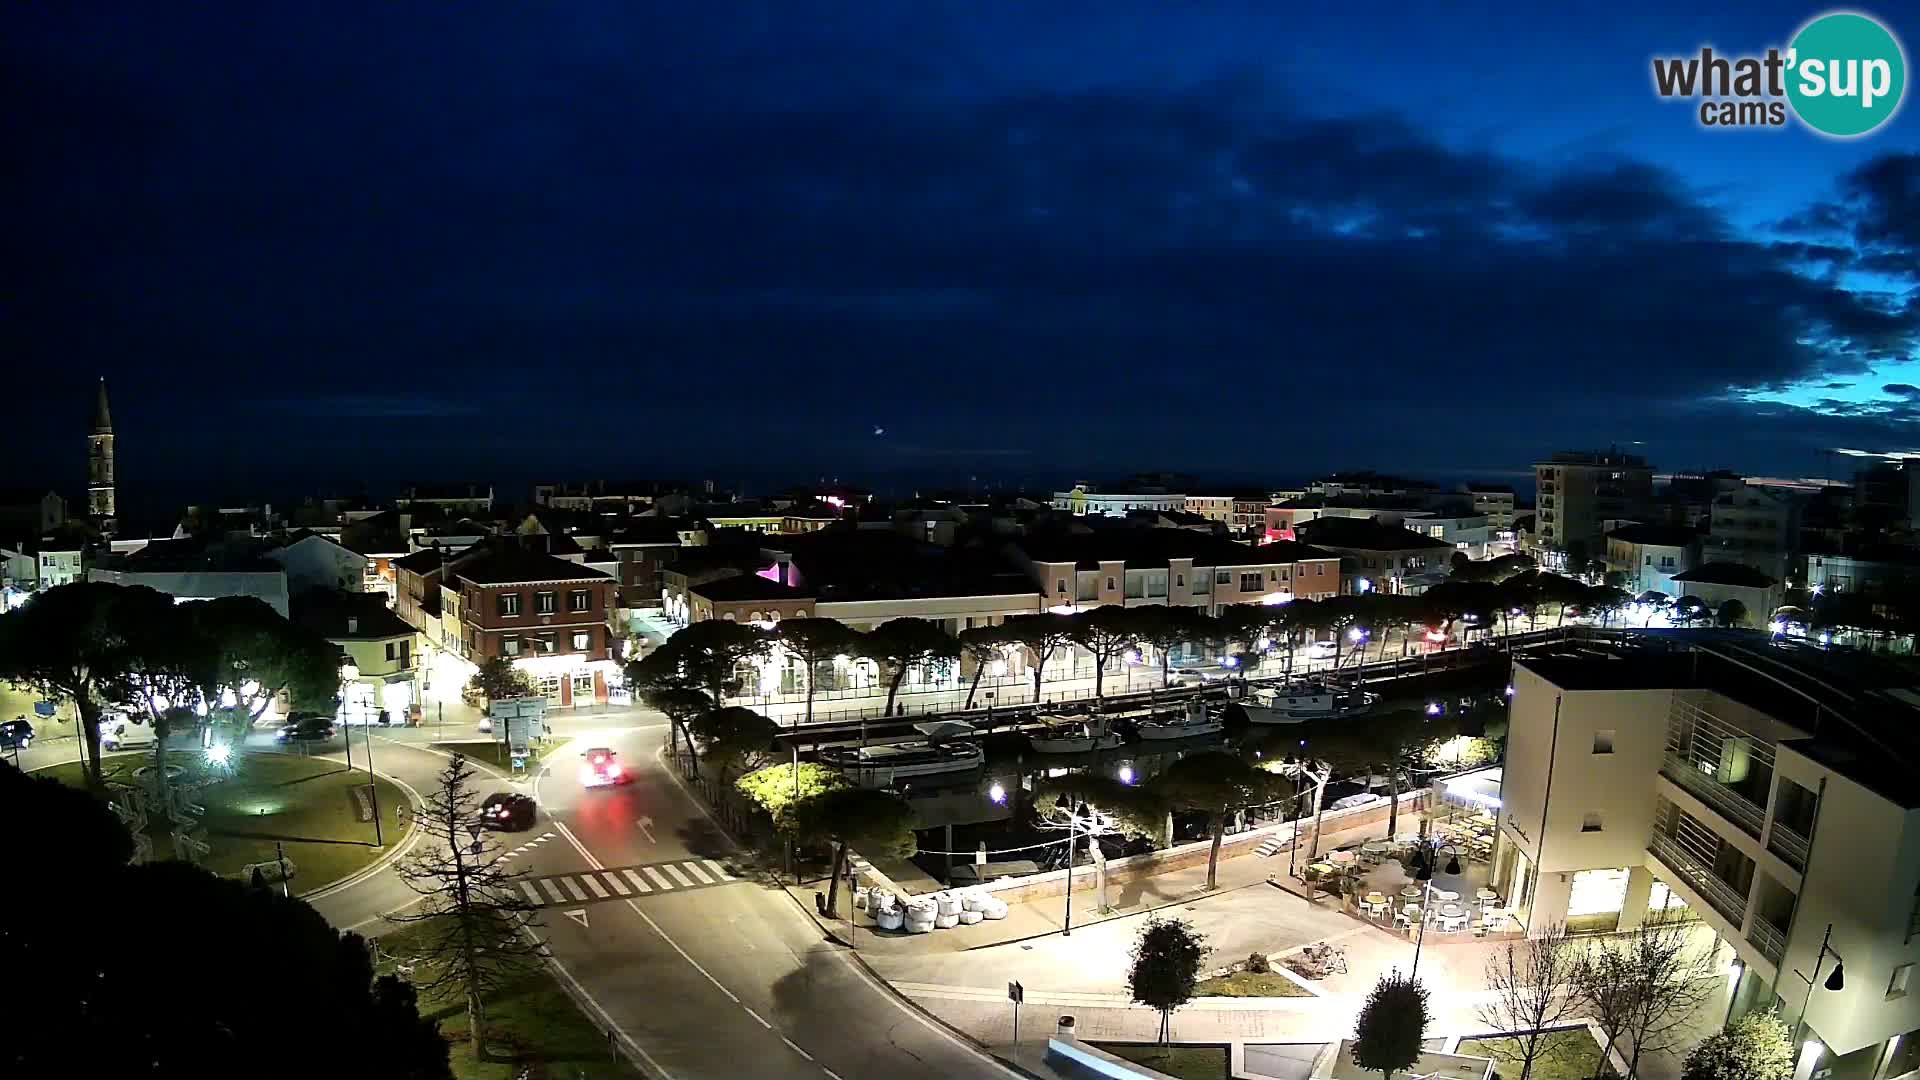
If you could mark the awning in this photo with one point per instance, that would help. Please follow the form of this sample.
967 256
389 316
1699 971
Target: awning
944 729
1478 788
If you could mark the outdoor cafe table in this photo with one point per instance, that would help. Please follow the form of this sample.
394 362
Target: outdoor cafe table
1376 847
1340 858
1411 892
1445 894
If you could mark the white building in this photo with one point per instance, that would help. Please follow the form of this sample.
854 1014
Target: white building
314 561
1768 793
1080 501
1649 556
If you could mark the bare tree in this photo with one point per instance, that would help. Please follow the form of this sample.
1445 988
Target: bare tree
478 936
1532 983
1645 985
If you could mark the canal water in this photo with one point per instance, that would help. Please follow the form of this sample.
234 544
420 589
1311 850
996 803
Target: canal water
993 805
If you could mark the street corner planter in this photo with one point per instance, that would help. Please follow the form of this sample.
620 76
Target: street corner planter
1065 1026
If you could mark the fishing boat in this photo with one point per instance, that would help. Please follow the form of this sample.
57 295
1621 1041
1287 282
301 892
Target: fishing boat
1301 702
879 766
1069 735
1195 720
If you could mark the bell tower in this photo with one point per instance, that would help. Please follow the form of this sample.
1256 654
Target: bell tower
101 509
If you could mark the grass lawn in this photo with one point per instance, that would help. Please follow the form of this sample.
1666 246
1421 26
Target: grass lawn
1568 1055
1249 984
305 803
1207 1062
536 1019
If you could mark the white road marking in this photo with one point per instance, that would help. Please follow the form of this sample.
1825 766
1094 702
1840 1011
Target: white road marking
573 887
658 878
593 883
648 919
553 891
637 883
718 870
795 1047
533 894
674 872
830 1072
762 1019
699 874
578 915
618 885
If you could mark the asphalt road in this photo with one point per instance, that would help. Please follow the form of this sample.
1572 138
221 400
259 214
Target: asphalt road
725 980
704 978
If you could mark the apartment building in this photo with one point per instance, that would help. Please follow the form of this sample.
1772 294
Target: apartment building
1576 492
1754 526
1496 501
1767 793
1138 567
1648 557
382 650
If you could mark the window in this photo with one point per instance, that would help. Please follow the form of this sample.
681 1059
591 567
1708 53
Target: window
509 604
544 603
392 652
581 641
1179 580
1060 586
1603 742
544 642
1109 584
1222 577
1897 986
1649 560
509 646
579 600
1273 575
1250 582
1591 822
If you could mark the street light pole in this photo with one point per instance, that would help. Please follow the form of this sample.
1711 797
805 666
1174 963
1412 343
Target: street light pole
1835 981
1073 820
373 793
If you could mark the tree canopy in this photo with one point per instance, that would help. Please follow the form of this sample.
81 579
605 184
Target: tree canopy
900 645
1164 972
777 792
1386 1038
102 1008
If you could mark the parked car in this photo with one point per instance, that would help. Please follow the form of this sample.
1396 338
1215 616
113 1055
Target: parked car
1323 650
508 811
16 734
601 767
306 727
124 731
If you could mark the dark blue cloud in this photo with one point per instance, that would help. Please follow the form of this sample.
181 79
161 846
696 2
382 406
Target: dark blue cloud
385 243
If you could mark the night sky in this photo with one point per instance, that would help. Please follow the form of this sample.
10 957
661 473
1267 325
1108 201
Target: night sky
344 247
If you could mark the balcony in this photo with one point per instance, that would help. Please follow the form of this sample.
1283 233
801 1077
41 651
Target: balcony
1725 899
1710 791
1789 845
1769 939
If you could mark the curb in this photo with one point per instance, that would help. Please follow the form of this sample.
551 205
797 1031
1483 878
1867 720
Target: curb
402 847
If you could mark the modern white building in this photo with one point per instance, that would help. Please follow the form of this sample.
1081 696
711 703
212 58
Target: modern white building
1770 793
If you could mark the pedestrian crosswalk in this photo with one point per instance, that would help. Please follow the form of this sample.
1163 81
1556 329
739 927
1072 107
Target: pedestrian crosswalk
625 882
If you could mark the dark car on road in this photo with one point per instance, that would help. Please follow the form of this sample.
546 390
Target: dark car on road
310 727
16 734
508 811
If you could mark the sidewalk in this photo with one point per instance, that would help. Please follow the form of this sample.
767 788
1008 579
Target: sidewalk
960 975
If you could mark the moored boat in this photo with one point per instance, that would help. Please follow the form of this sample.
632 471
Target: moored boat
1194 720
1301 702
878 766
1067 735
